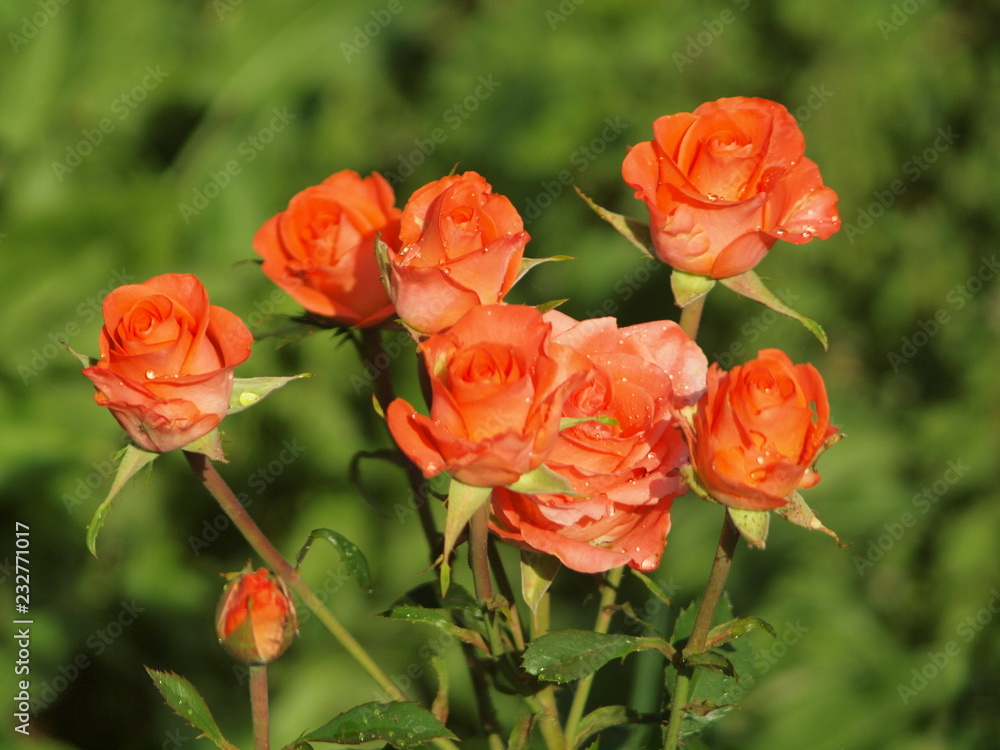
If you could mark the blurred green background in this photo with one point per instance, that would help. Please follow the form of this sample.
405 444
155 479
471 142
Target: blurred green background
144 138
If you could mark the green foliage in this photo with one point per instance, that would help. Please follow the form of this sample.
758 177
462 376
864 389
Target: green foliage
402 725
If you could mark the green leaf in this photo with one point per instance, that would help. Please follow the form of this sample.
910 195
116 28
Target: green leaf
438 618
798 512
568 655
350 553
730 631
655 588
402 725
528 263
600 719
636 232
749 285
542 481
248 391
463 501
185 699
130 459
689 287
752 524
520 735
538 570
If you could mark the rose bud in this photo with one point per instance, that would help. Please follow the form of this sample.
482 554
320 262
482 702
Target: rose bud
461 246
167 359
256 619
727 181
321 249
758 430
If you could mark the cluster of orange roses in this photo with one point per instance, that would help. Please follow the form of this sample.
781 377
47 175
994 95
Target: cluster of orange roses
614 412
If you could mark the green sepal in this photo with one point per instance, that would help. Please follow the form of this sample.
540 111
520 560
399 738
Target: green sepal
749 285
528 263
463 501
248 391
84 359
636 232
552 304
542 481
798 512
131 458
208 445
538 570
520 734
689 287
350 553
567 422
383 262
402 725
753 525
185 699
567 655
711 660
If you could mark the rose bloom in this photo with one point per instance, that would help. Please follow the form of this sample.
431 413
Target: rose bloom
461 246
255 620
167 359
625 475
498 386
758 431
321 249
725 182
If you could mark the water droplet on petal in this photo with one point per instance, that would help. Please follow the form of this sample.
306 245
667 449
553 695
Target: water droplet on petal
760 460
150 374
780 232
447 272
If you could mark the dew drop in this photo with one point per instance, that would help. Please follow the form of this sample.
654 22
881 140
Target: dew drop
713 197
150 374
447 272
247 398
651 456
780 232
760 460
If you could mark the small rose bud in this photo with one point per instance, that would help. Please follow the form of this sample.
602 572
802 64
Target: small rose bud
256 618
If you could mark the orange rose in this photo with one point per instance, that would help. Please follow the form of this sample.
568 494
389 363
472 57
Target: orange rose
321 249
255 620
758 431
167 359
724 183
498 387
624 474
461 246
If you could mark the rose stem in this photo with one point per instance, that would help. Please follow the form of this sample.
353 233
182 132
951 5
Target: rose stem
479 529
691 316
503 582
258 704
608 593
217 487
544 701
371 351
702 623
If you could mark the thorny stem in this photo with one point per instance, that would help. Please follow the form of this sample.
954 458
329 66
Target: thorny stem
691 316
258 705
702 623
217 487
604 613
